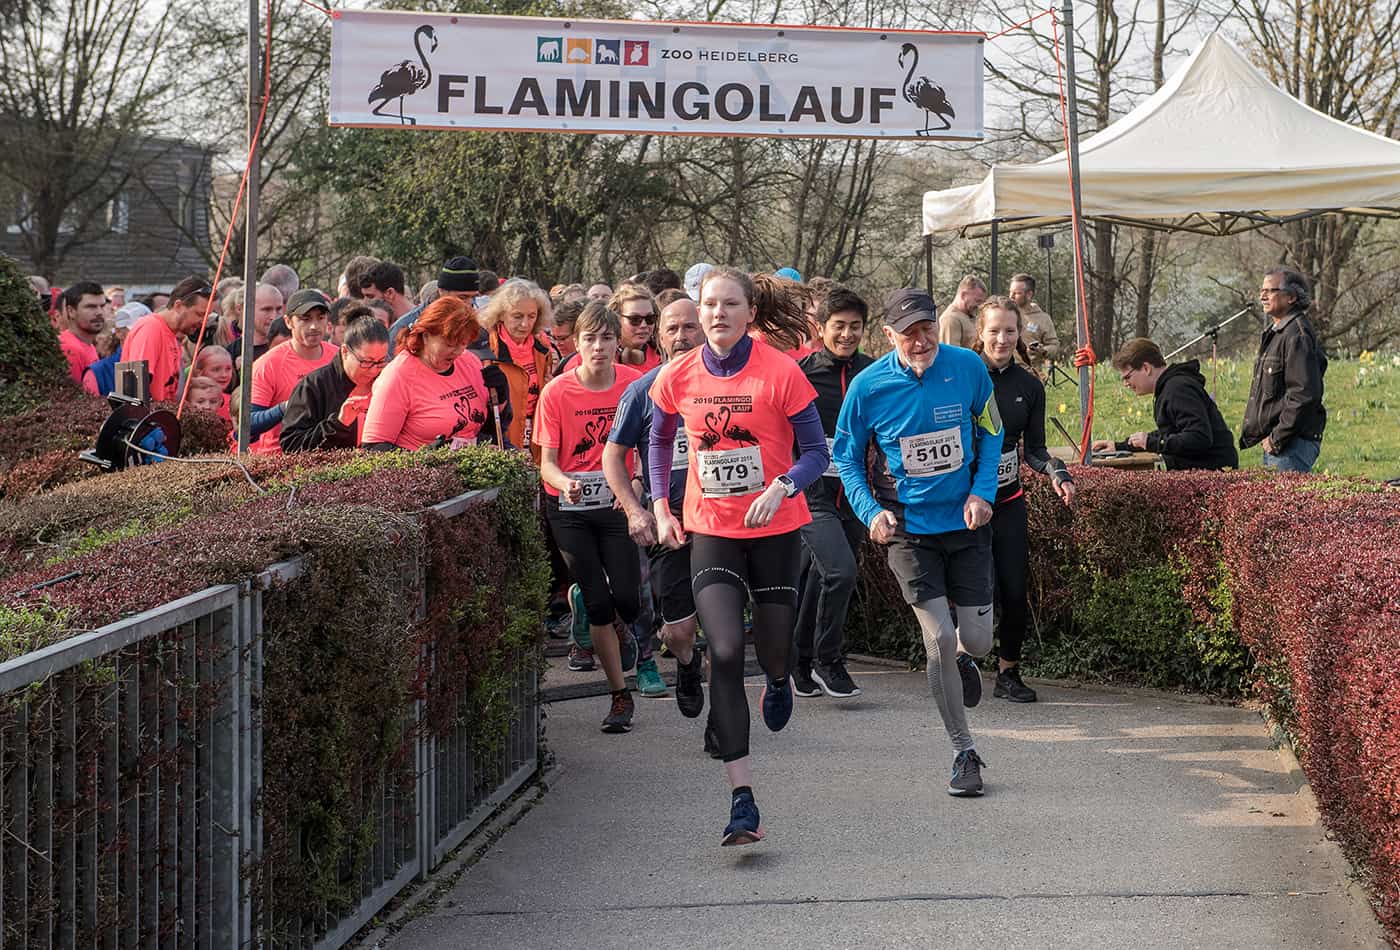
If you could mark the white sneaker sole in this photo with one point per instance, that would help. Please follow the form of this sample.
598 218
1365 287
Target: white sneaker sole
816 678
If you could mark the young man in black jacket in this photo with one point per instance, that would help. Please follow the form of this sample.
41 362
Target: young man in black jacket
1285 410
834 535
1190 431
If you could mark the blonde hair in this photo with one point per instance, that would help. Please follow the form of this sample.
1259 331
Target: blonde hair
512 294
997 302
230 316
199 384
630 292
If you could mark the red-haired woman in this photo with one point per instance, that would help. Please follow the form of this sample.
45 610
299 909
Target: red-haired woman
433 392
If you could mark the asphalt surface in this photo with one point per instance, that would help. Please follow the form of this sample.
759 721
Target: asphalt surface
1111 819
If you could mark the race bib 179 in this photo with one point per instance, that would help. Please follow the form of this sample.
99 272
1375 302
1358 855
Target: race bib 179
731 472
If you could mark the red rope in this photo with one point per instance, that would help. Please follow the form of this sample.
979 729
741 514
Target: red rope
317 6
1080 298
237 203
997 36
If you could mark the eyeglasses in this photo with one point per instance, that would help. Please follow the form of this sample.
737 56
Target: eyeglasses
635 319
1272 290
367 363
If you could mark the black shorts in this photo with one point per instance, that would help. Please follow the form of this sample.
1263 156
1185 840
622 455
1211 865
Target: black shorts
956 565
670 581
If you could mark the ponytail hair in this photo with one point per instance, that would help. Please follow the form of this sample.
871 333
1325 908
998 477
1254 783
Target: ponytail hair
780 309
999 302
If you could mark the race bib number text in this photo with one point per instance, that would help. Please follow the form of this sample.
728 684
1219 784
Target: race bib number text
1009 468
729 473
596 493
680 455
933 453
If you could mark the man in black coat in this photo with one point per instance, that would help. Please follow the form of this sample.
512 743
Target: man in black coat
1190 431
1285 410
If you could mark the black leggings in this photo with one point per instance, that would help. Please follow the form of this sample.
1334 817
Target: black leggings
725 574
1011 561
602 559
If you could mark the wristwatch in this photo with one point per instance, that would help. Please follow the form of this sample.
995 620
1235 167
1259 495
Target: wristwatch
788 484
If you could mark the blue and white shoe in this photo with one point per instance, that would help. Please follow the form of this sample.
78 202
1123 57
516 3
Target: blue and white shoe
578 619
627 646
777 704
744 826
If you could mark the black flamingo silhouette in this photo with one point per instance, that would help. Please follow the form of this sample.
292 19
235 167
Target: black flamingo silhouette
737 433
924 94
406 78
711 436
590 438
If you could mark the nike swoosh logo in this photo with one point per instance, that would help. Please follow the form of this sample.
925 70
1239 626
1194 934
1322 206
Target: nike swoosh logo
984 611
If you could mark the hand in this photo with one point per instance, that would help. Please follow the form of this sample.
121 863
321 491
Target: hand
976 512
1085 356
1102 445
765 506
1138 440
573 493
641 527
351 408
1035 346
668 529
883 527
1268 445
1065 489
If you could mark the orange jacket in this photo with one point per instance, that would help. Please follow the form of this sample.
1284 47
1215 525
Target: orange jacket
521 429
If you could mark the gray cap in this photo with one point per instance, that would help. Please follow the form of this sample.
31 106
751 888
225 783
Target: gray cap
906 307
306 300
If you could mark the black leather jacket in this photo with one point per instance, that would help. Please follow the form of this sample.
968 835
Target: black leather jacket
1285 397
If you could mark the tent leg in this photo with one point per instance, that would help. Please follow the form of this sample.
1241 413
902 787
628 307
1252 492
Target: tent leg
928 263
996 247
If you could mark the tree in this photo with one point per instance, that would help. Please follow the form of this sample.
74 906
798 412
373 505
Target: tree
79 94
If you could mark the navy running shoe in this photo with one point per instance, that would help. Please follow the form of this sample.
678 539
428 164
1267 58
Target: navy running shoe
743 827
777 704
966 781
971 680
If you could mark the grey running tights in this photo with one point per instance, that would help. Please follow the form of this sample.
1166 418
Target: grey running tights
942 640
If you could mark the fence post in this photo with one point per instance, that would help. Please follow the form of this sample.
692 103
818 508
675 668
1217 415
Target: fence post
227 840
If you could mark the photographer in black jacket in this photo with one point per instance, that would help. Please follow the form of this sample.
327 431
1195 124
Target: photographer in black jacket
1285 410
327 406
1190 431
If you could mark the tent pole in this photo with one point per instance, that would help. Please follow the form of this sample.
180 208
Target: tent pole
1081 323
996 242
250 252
928 263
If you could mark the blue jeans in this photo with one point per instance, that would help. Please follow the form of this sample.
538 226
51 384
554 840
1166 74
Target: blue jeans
1300 456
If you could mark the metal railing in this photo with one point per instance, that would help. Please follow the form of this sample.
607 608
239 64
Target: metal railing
130 773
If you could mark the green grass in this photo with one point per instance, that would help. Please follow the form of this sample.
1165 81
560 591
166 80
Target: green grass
1362 399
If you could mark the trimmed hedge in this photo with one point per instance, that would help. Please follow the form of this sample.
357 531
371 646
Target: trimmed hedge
344 654
1286 588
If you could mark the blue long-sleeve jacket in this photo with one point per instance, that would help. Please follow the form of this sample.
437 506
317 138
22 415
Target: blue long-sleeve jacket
937 440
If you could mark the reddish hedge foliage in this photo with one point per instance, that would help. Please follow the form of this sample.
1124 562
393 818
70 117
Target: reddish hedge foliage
1312 567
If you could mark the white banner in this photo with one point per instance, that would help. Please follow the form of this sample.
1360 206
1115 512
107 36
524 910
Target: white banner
443 71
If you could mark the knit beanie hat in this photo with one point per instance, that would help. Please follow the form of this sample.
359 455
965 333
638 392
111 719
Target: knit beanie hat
460 273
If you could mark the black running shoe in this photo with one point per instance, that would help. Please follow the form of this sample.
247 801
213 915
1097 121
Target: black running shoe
711 741
971 680
802 682
743 827
1009 686
833 678
619 718
777 704
580 660
690 687
967 775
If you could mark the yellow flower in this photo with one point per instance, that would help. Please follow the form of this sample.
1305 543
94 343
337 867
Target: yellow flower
1063 408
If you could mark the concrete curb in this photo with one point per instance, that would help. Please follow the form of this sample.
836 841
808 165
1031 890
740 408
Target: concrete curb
427 893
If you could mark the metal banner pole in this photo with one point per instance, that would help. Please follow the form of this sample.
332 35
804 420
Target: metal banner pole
1081 323
250 253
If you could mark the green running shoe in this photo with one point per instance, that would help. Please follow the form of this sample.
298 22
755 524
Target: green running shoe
578 619
649 682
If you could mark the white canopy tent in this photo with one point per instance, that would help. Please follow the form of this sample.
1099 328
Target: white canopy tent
1217 150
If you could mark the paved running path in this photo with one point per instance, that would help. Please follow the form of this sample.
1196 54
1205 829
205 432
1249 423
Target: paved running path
1111 819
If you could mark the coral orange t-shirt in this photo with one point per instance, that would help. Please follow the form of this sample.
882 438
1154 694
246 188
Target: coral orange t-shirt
411 404
275 375
739 435
80 355
151 340
576 420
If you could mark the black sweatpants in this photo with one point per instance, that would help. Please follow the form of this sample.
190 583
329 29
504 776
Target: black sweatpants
602 559
1011 564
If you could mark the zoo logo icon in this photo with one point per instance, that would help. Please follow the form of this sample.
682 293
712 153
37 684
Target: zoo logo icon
606 51
635 52
547 49
579 51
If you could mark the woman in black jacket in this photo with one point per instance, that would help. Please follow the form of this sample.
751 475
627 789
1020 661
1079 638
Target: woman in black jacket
326 408
1190 431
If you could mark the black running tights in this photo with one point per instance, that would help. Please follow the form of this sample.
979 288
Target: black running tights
1010 556
725 574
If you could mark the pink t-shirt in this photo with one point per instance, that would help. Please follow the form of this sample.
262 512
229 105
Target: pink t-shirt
275 375
411 405
739 435
80 354
151 340
576 420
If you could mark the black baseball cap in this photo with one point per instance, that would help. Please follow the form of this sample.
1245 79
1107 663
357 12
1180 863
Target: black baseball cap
304 301
906 307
